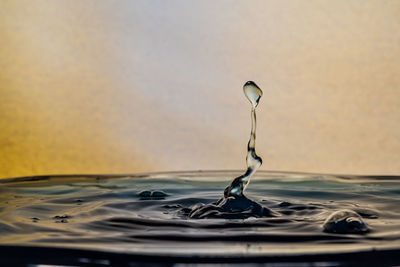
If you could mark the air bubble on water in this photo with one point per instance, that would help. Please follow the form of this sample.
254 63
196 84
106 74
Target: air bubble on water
145 194
285 204
152 194
345 222
62 218
35 219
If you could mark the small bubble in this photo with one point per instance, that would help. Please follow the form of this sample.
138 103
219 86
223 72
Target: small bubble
175 206
345 222
145 194
34 219
285 204
152 194
158 194
62 218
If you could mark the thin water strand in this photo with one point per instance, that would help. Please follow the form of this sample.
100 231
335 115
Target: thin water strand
239 184
234 204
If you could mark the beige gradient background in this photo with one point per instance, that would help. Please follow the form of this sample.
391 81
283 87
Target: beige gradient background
137 86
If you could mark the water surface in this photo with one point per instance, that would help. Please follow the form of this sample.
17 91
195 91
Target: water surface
148 215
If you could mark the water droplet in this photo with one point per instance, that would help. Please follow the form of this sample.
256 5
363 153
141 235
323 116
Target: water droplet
252 92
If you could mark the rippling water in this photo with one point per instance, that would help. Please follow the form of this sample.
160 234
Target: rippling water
97 220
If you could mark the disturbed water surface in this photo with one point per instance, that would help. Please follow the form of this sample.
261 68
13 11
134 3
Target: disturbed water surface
149 214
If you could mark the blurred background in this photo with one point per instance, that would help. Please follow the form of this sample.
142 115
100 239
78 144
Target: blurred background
138 86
